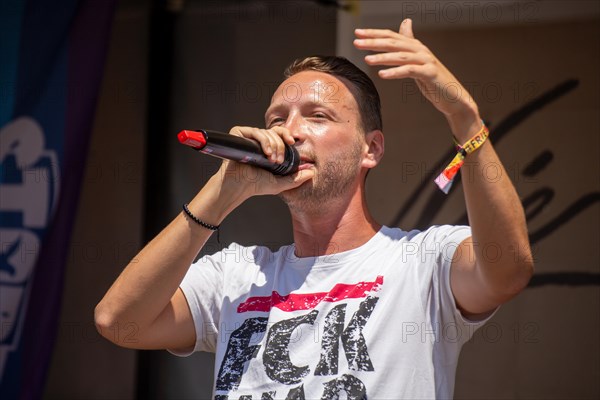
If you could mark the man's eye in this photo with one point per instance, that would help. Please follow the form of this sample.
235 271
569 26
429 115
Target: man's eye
319 115
275 121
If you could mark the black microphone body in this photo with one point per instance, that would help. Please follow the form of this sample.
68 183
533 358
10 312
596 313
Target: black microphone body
231 147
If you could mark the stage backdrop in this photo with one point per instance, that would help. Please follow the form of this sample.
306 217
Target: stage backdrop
51 62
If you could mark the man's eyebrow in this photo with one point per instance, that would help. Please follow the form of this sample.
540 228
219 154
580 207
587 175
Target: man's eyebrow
309 104
273 108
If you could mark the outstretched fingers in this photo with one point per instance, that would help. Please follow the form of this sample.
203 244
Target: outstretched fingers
405 71
387 44
374 33
397 58
406 56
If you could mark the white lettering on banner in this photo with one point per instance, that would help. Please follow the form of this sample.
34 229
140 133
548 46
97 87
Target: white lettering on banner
29 189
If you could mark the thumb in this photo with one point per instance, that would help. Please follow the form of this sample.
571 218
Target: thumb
283 183
406 28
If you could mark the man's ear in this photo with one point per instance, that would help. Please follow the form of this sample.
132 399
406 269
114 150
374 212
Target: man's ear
375 148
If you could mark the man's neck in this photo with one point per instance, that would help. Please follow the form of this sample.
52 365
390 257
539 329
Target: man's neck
344 226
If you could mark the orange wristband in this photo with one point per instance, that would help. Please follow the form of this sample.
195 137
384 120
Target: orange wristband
445 179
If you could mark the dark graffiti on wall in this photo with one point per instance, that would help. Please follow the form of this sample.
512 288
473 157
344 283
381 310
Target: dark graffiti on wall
533 204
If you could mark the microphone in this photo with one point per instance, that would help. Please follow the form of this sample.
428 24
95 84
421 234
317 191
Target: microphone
239 149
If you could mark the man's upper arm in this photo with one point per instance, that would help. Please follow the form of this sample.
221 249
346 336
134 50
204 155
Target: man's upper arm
173 329
472 297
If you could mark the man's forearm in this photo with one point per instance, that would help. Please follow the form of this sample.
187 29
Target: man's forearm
145 288
146 285
500 238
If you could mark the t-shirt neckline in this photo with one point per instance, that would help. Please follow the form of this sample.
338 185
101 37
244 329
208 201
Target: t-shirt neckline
335 259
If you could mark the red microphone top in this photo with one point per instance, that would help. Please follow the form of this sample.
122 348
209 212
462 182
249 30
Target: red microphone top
192 139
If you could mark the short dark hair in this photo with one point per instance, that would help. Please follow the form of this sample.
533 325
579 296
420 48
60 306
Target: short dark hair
365 93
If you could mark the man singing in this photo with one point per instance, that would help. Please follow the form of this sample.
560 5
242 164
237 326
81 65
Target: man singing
351 308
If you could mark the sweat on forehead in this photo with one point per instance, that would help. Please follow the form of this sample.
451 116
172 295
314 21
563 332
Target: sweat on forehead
360 85
315 87
309 90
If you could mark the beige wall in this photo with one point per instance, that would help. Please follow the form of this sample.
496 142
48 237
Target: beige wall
544 344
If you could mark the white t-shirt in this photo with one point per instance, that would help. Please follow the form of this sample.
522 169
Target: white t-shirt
377 322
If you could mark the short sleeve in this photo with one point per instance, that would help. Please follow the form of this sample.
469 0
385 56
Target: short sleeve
449 238
203 290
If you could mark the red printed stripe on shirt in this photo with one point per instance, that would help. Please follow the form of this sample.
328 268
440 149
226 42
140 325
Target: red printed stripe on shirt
308 301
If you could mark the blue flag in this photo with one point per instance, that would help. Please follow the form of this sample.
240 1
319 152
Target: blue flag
52 57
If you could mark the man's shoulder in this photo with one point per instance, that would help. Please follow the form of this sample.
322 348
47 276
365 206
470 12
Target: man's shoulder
434 231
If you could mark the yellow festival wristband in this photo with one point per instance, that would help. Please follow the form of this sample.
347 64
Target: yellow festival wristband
445 179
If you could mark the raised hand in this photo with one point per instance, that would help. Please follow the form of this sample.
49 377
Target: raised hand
407 57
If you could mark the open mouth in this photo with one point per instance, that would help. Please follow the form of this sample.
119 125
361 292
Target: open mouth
305 163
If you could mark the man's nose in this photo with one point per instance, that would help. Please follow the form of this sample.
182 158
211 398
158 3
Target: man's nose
296 128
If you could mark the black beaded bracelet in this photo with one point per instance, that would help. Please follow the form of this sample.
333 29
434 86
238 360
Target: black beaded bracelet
198 220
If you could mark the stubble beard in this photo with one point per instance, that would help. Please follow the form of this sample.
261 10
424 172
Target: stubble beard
333 179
